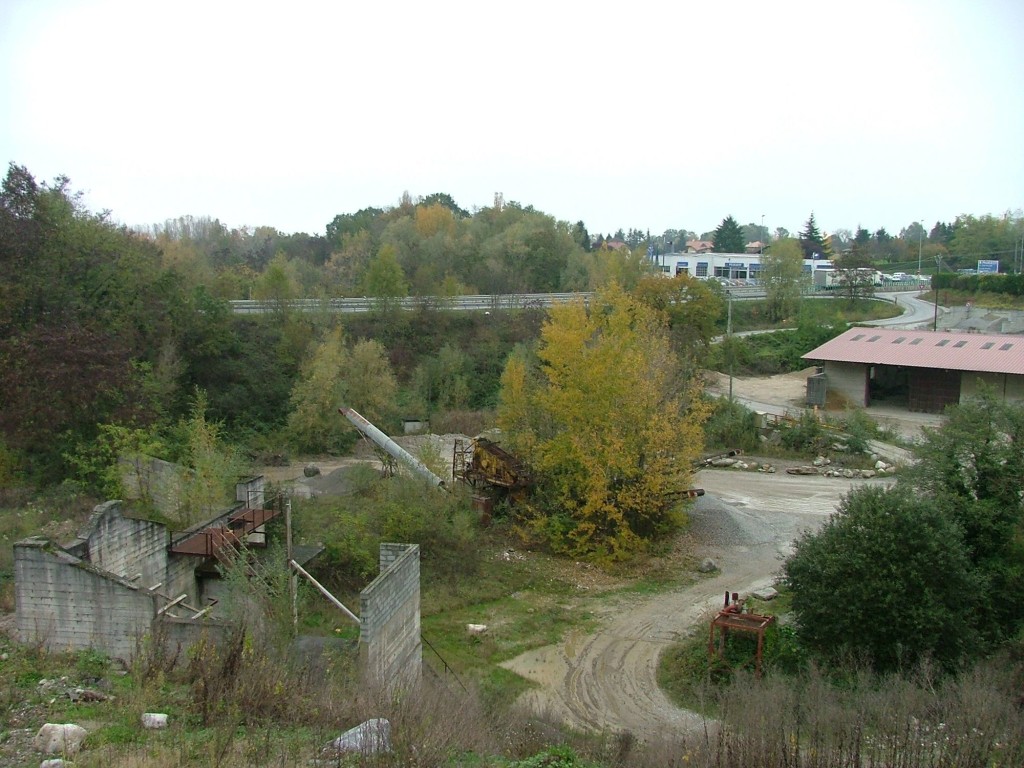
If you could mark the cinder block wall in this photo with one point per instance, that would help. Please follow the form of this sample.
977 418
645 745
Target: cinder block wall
848 379
390 645
126 547
64 603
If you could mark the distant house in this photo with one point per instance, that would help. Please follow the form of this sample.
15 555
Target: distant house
699 246
616 245
755 247
921 370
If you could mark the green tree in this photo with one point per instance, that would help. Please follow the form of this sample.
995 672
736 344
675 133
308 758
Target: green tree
813 243
332 377
887 580
212 466
442 381
691 308
972 466
729 237
384 278
782 276
608 424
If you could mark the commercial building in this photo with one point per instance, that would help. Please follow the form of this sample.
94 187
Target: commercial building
724 266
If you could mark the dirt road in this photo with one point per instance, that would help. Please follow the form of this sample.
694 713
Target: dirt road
608 680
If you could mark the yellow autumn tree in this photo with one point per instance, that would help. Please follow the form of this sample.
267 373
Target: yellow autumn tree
603 415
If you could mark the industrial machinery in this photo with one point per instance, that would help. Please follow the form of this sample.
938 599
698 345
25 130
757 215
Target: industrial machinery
482 462
390 448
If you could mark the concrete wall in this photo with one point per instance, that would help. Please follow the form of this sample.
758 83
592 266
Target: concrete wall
848 379
390 645
1004 385
64 603
135 550
153 481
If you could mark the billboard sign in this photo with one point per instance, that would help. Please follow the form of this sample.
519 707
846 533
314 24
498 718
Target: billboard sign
988 266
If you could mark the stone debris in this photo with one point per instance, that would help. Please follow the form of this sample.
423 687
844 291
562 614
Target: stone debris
707 565
768 593
154 720
367 738
60 739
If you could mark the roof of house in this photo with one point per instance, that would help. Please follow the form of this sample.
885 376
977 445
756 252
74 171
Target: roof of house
985 352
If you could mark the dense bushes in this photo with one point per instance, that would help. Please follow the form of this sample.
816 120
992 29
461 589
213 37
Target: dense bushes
1012 285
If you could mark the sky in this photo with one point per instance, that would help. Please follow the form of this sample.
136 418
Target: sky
652 115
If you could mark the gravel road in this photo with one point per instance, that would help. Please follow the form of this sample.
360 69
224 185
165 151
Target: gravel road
607 680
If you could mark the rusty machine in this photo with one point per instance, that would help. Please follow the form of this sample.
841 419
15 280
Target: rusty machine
483 464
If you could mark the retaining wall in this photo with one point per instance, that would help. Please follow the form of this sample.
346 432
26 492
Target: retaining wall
64 603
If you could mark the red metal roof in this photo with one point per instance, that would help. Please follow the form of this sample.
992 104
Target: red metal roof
983 352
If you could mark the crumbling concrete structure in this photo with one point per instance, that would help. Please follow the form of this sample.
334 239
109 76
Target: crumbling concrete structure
105 589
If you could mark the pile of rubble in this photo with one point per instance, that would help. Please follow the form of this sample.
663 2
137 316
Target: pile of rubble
822 466
734 463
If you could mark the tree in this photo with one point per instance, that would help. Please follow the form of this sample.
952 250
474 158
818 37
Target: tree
691 308
814 244
384 278
887 580
334 376
212 466
442 381
728 237
608 425
782 274
971 466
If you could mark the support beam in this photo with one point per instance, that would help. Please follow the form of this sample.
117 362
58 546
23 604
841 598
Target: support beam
323 591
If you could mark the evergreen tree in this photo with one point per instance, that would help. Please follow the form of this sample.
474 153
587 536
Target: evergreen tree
728 238
814 244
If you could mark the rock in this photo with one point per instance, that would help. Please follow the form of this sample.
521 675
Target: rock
476 629
768 593
723 462
740 465
848 473
873 457
54 763
821 461
762 438
707 565
311 470
802 470
868 473
59 738
841 447
370 737
87 694
154 720
879 464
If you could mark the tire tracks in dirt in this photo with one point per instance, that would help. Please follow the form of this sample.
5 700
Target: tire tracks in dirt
607 680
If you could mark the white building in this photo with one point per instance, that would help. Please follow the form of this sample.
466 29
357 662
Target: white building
728 266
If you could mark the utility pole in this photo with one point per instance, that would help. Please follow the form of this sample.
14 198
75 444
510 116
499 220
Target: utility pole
728 340
920 248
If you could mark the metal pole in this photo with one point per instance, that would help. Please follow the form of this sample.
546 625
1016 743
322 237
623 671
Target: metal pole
920 246
728 336
324 592
293 584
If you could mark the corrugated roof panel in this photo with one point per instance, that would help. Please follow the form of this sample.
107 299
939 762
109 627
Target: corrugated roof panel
929 349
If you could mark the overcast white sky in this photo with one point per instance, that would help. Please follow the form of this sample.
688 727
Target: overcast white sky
648 113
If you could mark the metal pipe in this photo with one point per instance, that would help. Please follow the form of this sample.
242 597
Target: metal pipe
323 591
391 447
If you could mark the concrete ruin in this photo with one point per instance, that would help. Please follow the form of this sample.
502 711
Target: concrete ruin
390 642
123 580
108 587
